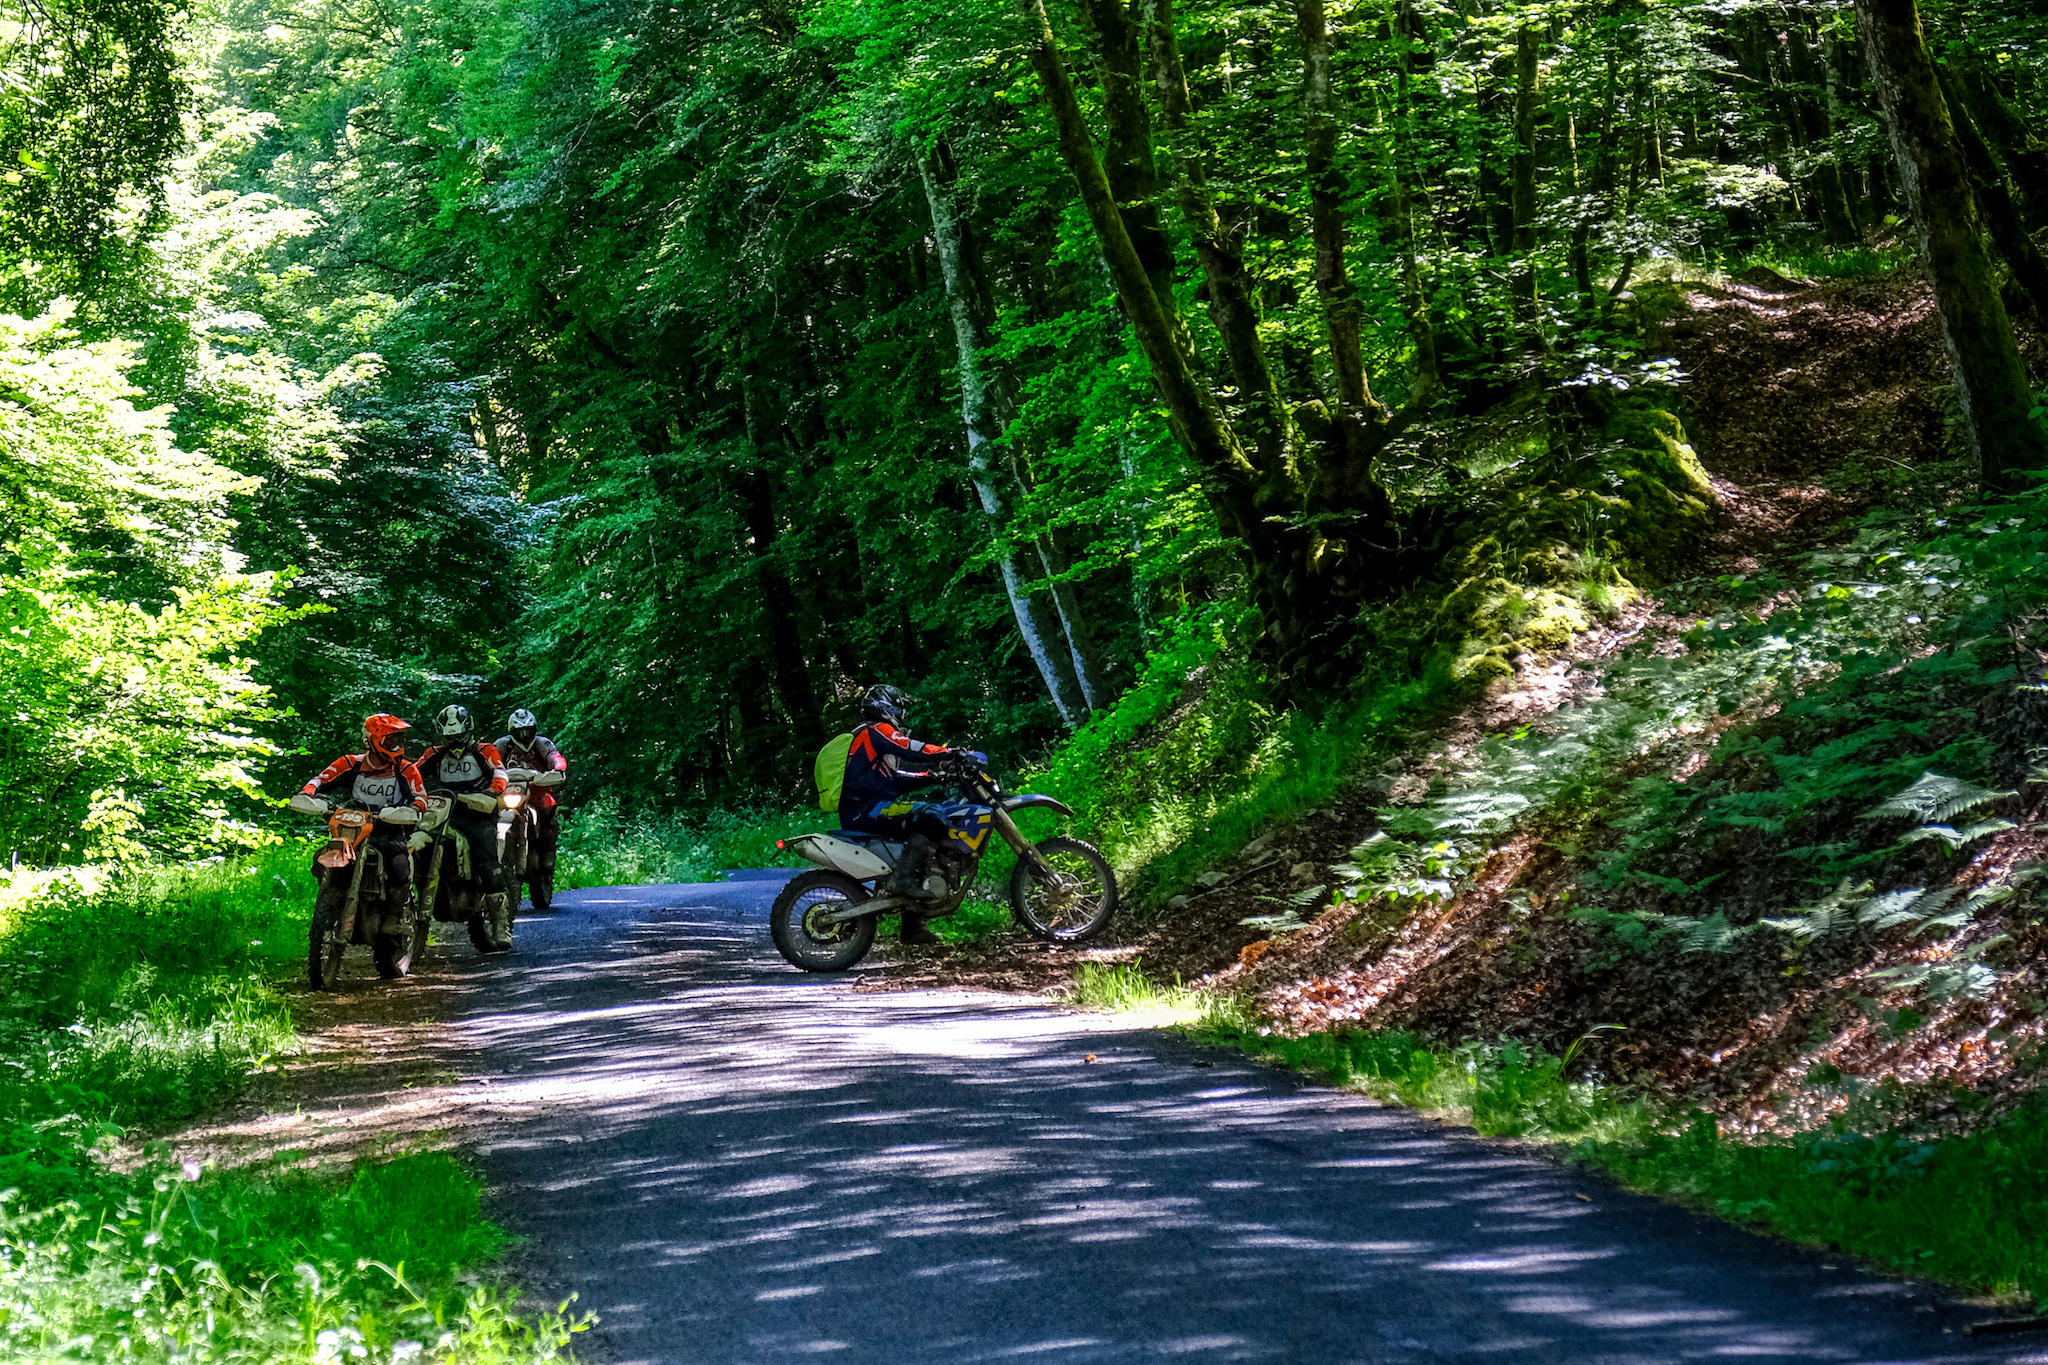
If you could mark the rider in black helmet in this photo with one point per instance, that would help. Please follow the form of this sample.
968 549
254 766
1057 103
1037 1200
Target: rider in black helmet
872 798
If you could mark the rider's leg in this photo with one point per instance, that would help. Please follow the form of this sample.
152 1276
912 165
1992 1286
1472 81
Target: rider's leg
928 831
397 869
481 831
547 833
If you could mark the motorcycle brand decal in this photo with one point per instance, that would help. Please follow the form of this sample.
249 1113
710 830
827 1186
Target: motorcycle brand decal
376 789
465 769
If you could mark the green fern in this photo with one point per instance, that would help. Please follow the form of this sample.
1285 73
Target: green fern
1961 973
1837 912
1936 799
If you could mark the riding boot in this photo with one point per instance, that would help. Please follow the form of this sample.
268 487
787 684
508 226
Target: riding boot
915 935
499 915
907 878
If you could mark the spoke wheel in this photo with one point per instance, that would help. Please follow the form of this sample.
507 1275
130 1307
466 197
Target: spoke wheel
1071 899
801 931
324 946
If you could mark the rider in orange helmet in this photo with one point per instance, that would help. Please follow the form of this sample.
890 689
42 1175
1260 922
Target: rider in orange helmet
378 778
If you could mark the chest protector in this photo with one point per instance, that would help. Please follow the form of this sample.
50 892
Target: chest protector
466 773
375 790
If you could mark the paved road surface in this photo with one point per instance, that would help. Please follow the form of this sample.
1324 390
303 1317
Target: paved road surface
733 1162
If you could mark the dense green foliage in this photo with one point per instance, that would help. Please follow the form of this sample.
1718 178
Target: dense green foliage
677 372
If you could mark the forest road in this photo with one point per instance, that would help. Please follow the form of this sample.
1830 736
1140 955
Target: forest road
732 1162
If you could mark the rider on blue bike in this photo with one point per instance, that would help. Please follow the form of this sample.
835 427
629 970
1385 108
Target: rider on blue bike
872 799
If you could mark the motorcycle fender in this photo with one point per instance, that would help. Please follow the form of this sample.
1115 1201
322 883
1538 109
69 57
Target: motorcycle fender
1032 801
840 856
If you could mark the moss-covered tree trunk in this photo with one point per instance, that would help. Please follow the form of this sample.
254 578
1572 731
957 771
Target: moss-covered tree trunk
1991 382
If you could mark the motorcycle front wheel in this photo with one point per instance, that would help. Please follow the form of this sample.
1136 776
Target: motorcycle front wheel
325 947
801 934
541 888
1072 902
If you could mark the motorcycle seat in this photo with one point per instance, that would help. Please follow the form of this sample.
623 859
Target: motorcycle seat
852 836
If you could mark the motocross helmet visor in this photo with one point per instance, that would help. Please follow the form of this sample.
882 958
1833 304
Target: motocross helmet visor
455 727
384 735
524 728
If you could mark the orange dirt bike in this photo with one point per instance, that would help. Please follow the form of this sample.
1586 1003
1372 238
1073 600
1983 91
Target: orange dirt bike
1062 890
524 862
357 903
450 886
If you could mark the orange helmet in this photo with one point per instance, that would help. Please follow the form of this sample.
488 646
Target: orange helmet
383 736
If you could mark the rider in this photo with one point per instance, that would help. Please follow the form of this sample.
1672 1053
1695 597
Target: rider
524 746
379 778
871 799
458 764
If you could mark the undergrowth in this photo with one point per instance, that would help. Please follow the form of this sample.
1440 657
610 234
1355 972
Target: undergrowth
141 995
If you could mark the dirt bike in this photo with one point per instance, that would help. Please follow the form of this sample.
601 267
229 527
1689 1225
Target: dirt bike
523 862
450 886
1062 890
356 902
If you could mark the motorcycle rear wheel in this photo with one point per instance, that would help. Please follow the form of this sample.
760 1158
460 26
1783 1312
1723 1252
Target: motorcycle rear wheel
799 933
542 888
1072 905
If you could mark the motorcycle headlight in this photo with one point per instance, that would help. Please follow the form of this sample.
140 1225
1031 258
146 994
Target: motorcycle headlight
512 800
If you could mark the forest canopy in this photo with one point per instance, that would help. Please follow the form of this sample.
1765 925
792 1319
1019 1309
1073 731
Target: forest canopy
677 370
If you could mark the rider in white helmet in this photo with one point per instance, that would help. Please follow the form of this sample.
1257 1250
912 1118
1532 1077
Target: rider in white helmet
524 746
458 764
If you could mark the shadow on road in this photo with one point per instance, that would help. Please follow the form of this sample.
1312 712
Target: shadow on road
732 1162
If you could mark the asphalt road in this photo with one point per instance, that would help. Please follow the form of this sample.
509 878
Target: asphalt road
733 1162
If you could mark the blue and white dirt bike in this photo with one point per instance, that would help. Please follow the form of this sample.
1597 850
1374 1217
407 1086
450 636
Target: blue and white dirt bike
1062 890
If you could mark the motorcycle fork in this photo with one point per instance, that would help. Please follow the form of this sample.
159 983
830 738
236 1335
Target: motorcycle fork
433 878
346 930
1015 837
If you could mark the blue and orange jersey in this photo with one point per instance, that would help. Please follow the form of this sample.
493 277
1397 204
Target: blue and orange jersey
390 784
476 769
870 774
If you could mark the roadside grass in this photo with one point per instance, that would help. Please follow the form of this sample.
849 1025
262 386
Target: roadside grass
1970 1210
273 1264
143 994
603 845
1125 989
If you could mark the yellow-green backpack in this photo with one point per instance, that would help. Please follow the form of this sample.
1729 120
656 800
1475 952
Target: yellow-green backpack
830 772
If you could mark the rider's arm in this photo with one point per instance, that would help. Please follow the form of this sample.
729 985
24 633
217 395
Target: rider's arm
489 754
553 755
330 775
410 780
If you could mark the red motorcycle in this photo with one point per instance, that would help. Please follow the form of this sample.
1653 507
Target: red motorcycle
525 862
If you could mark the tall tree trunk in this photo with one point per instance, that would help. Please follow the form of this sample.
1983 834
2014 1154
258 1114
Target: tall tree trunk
1288 584
1526 54
1192 413
1232 305
1128 161
1343 313
1810 110
1037 618
778 602
2023 151
2001 214
1991 382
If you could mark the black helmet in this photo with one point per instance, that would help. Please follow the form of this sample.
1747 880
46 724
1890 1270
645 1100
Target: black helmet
883 703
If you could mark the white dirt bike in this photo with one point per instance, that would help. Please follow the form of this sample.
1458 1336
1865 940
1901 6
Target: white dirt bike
1062 890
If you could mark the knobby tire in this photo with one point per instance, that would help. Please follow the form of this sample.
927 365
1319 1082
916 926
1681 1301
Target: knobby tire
815 947
1073 910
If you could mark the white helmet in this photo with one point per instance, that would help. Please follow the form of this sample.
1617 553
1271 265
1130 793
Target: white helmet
454 725
523 727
